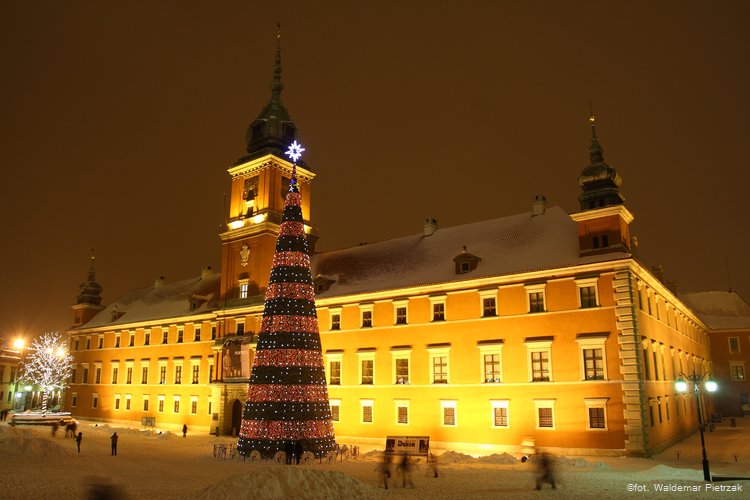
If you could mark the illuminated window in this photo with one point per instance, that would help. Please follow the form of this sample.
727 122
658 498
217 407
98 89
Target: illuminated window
335 410
244 286
334 370
737 371
367 412
540 366
400 356
500 413
402 412
448 410
545 414
490 352
367 371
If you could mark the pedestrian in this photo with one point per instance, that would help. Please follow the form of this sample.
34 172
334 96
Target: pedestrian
433 465
298 450
288 451
114 444
184 430
405 468
55 426
384 470
79 438
546 474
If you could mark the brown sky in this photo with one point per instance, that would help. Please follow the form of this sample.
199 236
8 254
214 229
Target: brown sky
120 118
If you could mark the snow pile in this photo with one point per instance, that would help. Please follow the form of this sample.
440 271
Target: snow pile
15 441
454 457
504 458
572 462
288 482
662 471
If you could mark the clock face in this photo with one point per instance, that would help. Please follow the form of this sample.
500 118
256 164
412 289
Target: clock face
244 255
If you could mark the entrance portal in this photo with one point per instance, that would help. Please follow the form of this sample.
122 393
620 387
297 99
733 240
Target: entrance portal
236 417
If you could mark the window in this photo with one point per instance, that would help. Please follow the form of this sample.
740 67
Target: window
176 408
213 332
737 371
131 339
536 302
114 374
144 375
659 407
163 374
100 342
164 336
129 375
240 327
593 364
366 405
193 405
88 343
734 345
145 403
72 377
243 289
161 404
440 370
128 399
178 374
117 401
97 375
335 410
500 413
656 361
587 296
95 401
491 368
489 307
596 412
438 311
196 333
334 372
646 371
490 352
651 412
85 379
117 341
335 321
180 335
367 371
545 414
75 344
74 400
147 337
402 412
448 411
367 318
400 357
540 366
196 373
401 315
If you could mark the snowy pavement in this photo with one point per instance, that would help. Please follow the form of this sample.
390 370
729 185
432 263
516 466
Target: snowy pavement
165 466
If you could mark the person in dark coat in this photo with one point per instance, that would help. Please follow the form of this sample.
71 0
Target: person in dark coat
79 438
114 444
298 450
405 468
289 451
184 430
546 474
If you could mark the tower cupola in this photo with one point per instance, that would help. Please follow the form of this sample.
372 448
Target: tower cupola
273 130
89 300
600 182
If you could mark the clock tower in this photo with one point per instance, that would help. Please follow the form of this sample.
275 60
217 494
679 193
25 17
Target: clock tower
260 181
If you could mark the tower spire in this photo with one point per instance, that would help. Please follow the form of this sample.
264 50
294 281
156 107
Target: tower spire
90 290
276 85
600 182
596 152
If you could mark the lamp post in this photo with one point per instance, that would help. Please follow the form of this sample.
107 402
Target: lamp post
710 386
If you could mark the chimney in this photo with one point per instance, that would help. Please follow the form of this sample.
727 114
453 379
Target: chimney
159 282
430 226
206 272
539 205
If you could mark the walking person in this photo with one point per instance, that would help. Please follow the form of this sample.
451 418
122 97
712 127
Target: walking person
384 470
184 430
405 468
114 444
546 474
298 450
288 451
79 438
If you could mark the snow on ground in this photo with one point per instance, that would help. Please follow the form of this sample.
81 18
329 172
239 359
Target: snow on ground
162 465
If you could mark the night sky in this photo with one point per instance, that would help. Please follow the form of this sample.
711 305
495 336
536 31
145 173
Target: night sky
120 118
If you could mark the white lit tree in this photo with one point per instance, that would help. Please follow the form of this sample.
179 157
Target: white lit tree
47 365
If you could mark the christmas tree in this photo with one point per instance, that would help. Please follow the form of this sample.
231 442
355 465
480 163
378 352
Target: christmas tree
287 400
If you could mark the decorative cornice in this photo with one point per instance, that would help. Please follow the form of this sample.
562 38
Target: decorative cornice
269 162
598 213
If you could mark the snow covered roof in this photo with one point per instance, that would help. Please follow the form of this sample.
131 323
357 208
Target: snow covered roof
506 245
719 310
170 300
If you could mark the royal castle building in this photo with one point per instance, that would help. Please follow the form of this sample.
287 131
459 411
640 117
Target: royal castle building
541 324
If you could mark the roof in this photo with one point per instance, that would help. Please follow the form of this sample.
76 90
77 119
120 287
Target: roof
719 310
506 245
170 300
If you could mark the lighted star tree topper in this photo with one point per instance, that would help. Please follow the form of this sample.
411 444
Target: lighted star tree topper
47 364
287 399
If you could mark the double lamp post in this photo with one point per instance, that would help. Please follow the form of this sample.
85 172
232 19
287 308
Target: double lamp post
710 386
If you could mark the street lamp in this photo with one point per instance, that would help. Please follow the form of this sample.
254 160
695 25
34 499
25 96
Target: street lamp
710 386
